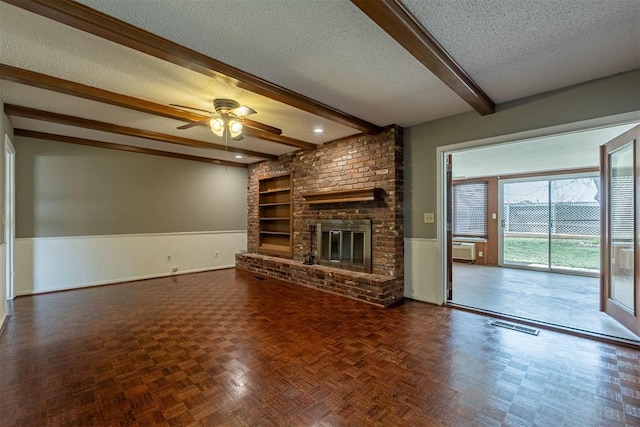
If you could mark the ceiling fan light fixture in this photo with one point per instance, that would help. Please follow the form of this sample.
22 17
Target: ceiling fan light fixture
235 127
228 120
217 126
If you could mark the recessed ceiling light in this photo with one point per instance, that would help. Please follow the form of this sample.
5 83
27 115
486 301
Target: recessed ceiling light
238 156
318 130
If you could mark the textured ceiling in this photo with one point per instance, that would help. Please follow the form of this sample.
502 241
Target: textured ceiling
326 50
517 48
58 50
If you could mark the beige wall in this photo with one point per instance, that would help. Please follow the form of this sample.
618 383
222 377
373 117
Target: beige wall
600 98
73 190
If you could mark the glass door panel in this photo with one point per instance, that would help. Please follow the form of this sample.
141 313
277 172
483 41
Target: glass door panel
620 279
525 217
575 224
621 226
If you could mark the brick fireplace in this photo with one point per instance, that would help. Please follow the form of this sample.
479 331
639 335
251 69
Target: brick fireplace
344 243
362 164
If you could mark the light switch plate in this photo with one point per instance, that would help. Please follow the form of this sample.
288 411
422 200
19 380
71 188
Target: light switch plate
429 218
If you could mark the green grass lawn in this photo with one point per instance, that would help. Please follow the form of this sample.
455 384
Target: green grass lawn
572 253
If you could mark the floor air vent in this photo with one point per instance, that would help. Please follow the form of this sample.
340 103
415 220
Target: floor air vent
514 327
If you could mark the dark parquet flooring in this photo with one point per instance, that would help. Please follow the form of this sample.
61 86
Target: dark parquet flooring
224 348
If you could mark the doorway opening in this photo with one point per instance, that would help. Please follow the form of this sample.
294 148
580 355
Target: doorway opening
532 250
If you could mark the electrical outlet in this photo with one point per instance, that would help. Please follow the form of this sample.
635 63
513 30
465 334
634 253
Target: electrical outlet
480 254
168 258
217 254
174 269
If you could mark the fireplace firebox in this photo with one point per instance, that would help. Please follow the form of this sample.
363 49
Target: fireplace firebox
345 244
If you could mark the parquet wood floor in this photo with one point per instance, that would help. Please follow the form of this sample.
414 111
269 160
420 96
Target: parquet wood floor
225 348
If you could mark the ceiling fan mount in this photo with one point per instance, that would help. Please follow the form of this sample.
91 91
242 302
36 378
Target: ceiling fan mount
223 106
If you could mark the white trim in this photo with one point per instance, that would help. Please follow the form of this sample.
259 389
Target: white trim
101 236
3 322
128 279
9 217
442 151
51 264
420 260
419 239
3 303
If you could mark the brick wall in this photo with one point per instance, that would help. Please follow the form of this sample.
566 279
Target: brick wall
357 162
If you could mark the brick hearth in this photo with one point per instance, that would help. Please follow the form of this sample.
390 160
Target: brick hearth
373 288
358 162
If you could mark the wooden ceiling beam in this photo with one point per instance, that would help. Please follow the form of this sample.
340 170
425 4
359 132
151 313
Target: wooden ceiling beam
123 147
394 18
67 87
280 139
107 27
31 113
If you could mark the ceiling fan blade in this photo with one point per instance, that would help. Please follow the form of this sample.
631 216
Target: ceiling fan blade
191 125
243 111
238 138
261 126
192 108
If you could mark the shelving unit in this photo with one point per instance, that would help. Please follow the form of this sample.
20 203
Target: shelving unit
276 215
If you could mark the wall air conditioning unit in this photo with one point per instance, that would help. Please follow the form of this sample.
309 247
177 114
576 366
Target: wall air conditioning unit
464 251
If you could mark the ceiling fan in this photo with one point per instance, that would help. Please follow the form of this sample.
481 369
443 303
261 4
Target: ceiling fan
228 119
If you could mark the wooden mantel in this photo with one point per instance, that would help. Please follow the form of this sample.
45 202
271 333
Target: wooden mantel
348 196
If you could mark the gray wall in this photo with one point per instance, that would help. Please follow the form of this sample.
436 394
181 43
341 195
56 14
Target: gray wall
599 98
72 190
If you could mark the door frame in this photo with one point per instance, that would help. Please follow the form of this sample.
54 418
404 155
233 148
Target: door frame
9 217
441 193
630 319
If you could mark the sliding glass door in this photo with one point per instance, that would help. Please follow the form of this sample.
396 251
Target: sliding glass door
575 224
525 223
551 223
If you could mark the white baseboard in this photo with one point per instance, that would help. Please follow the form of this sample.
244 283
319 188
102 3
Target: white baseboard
3 286
3 322
423 270
60 263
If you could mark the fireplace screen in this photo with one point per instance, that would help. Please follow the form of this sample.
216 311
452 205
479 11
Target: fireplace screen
345 244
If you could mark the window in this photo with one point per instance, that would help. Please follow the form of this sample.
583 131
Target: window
469 210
